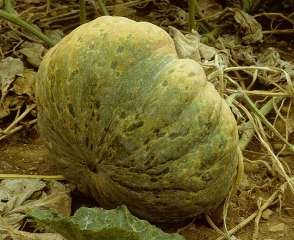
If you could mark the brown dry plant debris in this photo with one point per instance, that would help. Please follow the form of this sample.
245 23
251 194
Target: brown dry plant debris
269 87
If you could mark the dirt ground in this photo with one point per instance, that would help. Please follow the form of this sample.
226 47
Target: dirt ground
263 204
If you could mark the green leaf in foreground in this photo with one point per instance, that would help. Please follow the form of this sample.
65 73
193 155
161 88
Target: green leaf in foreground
97 223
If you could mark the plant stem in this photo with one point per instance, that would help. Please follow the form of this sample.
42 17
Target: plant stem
192 6
82 12
11 16
246 137
8 7
103 8
246 5
266 122
44 177
249 132
211 35
256 7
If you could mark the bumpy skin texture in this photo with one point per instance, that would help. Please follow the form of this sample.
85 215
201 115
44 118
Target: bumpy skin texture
130 123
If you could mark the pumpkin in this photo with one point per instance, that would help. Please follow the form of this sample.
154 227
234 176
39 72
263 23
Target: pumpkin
131 124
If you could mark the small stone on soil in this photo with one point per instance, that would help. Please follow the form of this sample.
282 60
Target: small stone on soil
266 214
277 228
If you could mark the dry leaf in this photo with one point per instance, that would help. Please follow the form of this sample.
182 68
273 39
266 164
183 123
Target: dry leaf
18 196
33 51
269 58
248 27
14 102
189 46
10 69
210 7
25 85
175 16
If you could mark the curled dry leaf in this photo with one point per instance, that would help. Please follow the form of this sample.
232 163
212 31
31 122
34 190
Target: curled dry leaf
268 59
18 196
13 102
245 25
25 85
271 58
10 69
189 46
33 52
248 27
161 5
17 83
175 16
210 7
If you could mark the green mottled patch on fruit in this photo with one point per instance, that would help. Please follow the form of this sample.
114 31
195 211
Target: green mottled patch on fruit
113 65
91 47
120 49
130 36
191 74
71 110
80 39
74 74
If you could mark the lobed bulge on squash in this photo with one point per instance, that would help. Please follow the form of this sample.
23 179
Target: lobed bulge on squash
130 123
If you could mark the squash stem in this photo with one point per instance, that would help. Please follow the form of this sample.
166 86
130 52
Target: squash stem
11 16
82 12
256 7
246 5
211 35
103 8
193 5
8 7
246 137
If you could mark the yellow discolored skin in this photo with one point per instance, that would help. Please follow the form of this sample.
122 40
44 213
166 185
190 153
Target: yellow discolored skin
130 123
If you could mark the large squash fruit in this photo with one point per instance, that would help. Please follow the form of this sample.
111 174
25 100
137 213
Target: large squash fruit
130 123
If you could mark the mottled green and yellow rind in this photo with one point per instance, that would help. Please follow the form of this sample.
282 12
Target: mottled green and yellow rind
130 123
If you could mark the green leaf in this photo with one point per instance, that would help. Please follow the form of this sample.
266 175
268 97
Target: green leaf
97 223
